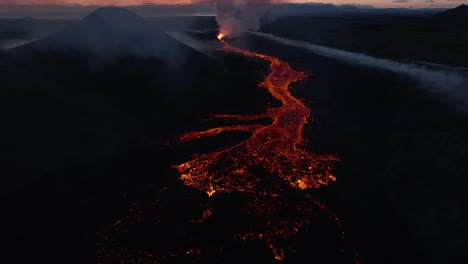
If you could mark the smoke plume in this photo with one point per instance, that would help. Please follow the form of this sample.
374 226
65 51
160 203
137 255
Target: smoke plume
448 82
235 17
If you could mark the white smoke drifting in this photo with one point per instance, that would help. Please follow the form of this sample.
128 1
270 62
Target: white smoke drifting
451 83
235 17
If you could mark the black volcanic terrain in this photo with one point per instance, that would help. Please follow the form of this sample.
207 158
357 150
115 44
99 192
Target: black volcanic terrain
101 85
96 115
101 97
438 38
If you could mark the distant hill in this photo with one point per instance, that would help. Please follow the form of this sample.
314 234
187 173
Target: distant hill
90 89
112 32
459 13
105 85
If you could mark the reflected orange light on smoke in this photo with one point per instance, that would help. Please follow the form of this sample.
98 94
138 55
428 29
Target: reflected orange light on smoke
276 148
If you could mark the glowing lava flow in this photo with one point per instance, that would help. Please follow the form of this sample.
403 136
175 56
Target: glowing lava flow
270 172
275 148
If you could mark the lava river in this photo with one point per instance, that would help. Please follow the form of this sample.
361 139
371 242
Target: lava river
276 148
270 170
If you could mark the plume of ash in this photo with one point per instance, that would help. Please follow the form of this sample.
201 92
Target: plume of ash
449 82
235 17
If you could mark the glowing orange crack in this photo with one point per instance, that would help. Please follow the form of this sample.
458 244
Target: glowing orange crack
217 130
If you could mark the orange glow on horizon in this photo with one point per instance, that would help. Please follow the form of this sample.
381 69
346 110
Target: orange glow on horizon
375 3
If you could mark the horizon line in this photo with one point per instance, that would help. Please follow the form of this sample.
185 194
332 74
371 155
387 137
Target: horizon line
207 4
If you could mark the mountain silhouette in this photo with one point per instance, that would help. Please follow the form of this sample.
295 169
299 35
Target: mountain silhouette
459 11
112 32
91 88
457 14
106 84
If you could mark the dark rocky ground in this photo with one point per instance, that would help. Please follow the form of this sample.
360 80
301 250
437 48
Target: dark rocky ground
401 187
425 37
87 144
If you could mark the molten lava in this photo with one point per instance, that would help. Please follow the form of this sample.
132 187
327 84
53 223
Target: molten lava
269 170
276 149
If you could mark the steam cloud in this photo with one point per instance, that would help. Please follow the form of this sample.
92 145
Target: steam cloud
449 82
235 17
